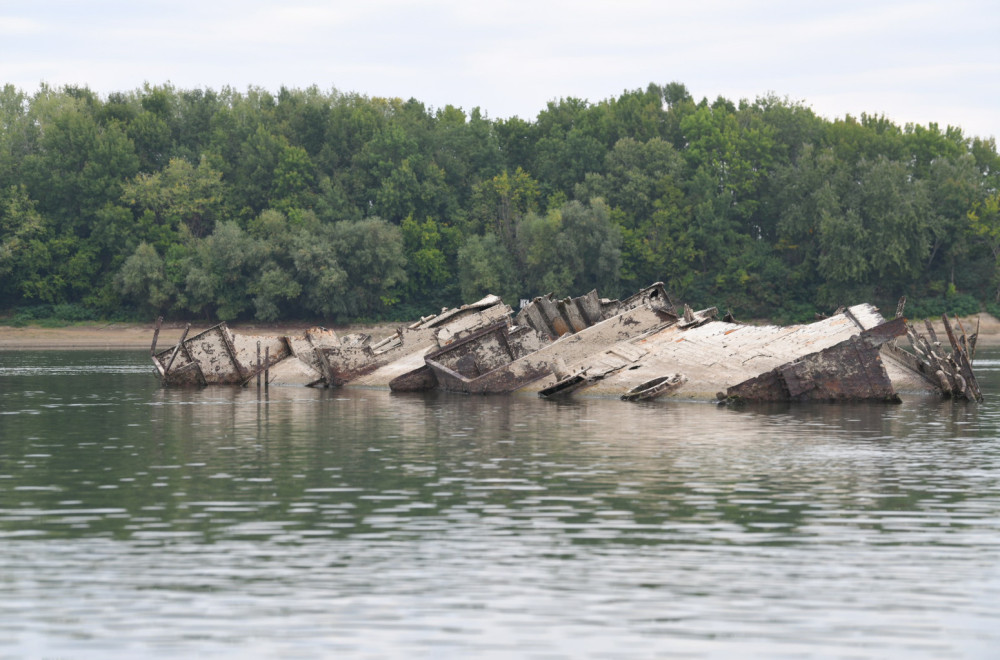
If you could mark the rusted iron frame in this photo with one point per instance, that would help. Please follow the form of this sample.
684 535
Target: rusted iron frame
177 348
931 333
263 367
911 362
883 332
503 380
944 376
159 369
551 313
440 368
433 356
590 307
227 343
420 379
947 369
964 339
533 317
468 339
962 361
959 383
152 349
431 359
339 377
775 385
191 365
324 366
570 309
869 372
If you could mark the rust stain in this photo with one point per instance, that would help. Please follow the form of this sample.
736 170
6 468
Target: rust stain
567 345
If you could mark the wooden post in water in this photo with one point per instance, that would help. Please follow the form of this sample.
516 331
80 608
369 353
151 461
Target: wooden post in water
972 342
258 364
267 366
156 334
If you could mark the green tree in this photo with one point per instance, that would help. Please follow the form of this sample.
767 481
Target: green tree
221 272
984 218
499 204
179 195
641 183
24 258
486 267
571 248
142 281
431 251
372 255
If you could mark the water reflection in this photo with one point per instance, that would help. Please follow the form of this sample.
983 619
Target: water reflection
222 463
384 524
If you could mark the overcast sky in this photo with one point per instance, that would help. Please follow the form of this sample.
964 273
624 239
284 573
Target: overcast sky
913 61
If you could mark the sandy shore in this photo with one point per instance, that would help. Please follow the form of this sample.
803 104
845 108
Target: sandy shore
127 336
124 336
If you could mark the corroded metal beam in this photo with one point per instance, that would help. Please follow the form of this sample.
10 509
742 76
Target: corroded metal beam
851 370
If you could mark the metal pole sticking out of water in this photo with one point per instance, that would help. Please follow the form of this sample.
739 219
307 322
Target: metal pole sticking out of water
156 335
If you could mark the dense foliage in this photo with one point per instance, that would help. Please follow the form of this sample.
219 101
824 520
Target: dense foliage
310 204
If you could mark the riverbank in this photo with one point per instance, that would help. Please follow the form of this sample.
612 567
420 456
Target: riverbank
137 336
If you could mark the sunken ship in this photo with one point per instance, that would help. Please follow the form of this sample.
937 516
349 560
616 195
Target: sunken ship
640 348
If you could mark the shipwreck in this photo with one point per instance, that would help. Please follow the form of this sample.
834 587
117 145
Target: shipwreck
641 348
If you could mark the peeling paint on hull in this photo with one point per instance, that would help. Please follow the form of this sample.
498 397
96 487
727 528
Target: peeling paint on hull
639 348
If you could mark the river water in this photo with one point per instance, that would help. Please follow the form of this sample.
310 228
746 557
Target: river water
142 522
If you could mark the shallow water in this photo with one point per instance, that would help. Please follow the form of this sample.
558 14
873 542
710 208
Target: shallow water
137 521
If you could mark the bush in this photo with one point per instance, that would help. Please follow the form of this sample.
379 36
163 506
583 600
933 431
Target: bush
959 304
792 312
51 316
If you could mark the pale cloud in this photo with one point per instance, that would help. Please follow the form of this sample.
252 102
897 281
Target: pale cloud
13 26
906 59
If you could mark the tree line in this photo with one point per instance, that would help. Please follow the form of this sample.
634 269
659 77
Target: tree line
309 204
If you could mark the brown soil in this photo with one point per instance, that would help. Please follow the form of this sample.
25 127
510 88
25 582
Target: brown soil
140 336
988 327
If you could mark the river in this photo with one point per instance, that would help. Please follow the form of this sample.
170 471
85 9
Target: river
142 522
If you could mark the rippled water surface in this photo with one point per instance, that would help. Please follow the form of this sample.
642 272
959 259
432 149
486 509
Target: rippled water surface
139 522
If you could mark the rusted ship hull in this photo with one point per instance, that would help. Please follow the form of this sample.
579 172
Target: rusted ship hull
638 349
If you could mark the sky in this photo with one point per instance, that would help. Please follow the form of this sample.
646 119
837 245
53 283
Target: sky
911 61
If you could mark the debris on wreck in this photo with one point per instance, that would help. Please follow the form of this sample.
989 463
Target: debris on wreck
637 349
654 388
346 363
218 356
503 358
